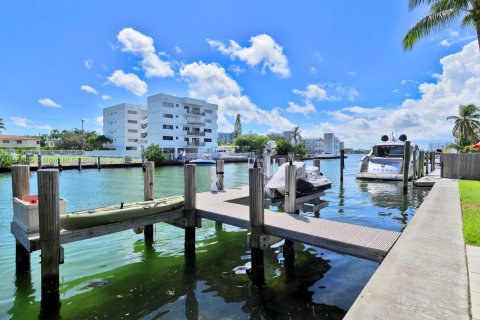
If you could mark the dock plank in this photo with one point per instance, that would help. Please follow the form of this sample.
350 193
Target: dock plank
364 242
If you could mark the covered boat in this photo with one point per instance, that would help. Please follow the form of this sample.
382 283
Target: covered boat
385 161
118 213
309 180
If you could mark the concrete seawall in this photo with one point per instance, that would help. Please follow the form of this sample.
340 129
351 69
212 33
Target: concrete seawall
425 274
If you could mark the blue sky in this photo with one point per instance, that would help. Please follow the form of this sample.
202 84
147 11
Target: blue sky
322 65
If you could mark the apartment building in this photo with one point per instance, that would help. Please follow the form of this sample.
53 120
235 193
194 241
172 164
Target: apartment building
126 125
182 124
332 144
226 137
314 145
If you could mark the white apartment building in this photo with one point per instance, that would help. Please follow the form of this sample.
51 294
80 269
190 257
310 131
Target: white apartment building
332 144
126 125
314 145
182 124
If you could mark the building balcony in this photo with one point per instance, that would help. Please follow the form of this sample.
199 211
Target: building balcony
195 144
195 123
196 113
144 135
142 141
195 133
143 125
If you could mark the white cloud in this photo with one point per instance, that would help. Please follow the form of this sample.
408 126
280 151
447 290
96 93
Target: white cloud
46 102
423 118
313 70
305 109
313 92
106 97
139 44
237 69
129 81
88 89
209 81
454 37
88 63
350 93
99 121
263 51
178 50
26 123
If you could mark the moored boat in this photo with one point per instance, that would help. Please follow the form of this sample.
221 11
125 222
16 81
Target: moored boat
118 213
206 160
385 160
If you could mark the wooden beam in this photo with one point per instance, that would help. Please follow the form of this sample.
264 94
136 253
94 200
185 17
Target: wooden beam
148 194
256 194
190 205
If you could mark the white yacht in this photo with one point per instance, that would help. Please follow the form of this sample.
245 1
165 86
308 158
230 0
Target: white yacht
385 161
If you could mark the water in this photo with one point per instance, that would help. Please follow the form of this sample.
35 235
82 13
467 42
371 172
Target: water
116 277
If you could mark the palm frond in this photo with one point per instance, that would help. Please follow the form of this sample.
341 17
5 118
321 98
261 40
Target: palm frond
427 25
415 3
452 118
442 5
468 20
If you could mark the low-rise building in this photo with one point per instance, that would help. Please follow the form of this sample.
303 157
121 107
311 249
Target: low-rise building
9 141
332 144
126 125
314 145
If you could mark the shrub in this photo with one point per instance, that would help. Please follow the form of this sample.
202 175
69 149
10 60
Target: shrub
154 153
127 159
6 159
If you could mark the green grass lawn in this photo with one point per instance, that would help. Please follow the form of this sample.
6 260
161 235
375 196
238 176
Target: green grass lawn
470 196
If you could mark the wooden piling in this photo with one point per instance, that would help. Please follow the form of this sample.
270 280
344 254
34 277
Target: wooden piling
427 158
39 162
49 222
59 165
99 166
79 163
316 163
256 194
406 164
342 164
190 197
432 161
148 194
290 207
220 174
20 188
421 163
414 164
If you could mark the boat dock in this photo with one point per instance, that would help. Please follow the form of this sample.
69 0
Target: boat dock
428 180
243 207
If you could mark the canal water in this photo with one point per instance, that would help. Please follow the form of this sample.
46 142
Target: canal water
116 277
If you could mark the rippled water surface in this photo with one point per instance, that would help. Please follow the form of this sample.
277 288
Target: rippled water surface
116 277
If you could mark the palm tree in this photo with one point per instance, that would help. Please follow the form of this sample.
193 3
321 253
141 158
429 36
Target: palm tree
467 123
2 125
296 135
442 14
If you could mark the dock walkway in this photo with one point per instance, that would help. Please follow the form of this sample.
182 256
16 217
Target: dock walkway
425 274
428 180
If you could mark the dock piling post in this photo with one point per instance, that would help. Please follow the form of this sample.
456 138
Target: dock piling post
220 177
148 194
342 163
190 198
316 163
99 166
21 187
49 222
79 163
406 164
421 163
39 162
432 161
427 159
256 224
290 207
414 163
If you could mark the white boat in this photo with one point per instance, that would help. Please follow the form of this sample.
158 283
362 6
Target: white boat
206 160
309 180
385 160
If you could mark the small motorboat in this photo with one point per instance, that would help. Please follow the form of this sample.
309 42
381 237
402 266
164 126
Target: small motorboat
206 160
101 216
309 180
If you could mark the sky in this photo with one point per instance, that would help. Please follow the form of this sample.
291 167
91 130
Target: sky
325 66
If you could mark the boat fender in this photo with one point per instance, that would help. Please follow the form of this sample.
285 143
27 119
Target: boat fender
138 230
121 205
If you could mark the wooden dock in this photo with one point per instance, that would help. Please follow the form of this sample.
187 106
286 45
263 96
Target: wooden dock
428 180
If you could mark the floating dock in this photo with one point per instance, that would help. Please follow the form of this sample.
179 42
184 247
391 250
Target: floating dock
428 180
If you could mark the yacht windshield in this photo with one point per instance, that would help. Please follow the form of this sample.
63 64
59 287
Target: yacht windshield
388 151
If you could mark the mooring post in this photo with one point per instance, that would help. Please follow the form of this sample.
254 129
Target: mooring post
220 185
342 163
143 156
290 207
432 161
99 166
427 158
20 188
58 164
406 164
316 163
414 164
39 162
190 198
79 163
49 223
148 194
281 161
421 163
255 182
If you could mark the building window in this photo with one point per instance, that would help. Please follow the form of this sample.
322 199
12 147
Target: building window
176 127
6 141
176 116
38 142
185 107
19 141
186 139
207 140
168 126
168 104
131 121
177 105
132 112
132 140
208 111
133 130
186 128
168 115
167 138
176 138
208 121
208 130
